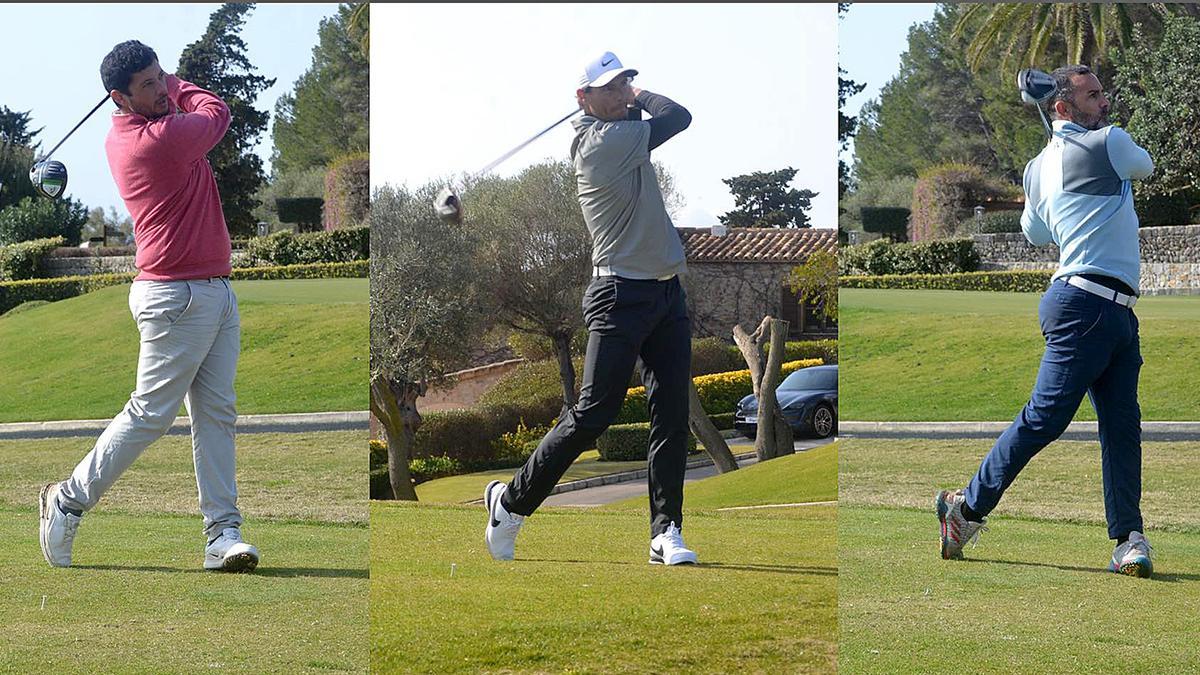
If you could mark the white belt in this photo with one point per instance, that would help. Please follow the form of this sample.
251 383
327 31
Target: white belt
1102 291
606 271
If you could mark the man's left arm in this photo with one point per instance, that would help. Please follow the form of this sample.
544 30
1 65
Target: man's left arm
1130 161
667 117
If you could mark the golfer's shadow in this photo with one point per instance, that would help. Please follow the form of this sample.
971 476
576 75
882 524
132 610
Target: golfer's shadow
1169 578
774 569
267 571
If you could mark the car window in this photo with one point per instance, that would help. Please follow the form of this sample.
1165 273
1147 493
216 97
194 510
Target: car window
810 378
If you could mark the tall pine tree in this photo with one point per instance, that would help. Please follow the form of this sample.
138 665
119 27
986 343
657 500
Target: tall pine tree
218 62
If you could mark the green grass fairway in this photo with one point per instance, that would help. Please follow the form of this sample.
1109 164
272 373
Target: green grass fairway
136 599
964 355
581 597
1035 594
304 349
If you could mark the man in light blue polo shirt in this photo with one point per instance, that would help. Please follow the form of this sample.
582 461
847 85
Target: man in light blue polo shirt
1078 196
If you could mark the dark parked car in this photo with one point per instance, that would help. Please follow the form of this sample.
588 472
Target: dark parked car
809 399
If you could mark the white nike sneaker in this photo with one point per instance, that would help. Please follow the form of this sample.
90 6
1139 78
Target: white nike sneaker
957 531
57 528
502 527
229 553
1132 557
668 549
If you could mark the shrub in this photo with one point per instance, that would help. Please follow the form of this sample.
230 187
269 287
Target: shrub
714 355
1017 281
347 191
514 447
429 468
380 483
533 347
303 212
996 222
39 218
890 221
345 270
98 252
1160 210
934 257
946 194
801 350
534 389
21 261
629 442
723 421
286 248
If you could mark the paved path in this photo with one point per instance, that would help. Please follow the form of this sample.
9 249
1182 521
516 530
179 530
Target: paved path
636 485
1077 431
246 424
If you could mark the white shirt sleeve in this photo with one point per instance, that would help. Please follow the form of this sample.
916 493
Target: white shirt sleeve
1130 161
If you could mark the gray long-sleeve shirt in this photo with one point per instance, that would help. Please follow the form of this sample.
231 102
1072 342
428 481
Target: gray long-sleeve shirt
632 234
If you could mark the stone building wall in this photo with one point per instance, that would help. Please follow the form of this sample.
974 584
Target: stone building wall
116 264
1170 257
723 294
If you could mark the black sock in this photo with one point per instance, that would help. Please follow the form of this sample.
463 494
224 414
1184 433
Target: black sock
1122 539
970 514
505 503
74 512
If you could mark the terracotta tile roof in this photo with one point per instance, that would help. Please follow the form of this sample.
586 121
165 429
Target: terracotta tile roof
756 245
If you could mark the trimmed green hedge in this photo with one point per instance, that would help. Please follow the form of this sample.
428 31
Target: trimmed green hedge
723 421
996 222
1161 210
890 221
13 293
287 248
1016 281
21 261
629 442
948 256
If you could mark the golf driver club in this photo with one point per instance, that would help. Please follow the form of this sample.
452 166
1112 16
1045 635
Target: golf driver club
1036 88
449 206
49 178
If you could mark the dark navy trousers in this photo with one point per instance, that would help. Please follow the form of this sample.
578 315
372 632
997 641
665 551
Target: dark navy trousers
1091 348
626 319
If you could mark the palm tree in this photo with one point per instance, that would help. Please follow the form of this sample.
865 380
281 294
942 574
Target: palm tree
360 27
1025 30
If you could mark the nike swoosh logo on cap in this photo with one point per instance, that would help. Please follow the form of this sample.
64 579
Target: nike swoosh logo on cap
605 63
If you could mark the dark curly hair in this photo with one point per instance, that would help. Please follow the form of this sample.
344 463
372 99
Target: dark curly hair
127 58
1066 88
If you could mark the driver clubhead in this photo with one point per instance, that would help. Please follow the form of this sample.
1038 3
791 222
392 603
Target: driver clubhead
448 206
1035 86
49 178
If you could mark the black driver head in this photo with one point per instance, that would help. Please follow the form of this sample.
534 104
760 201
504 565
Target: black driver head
49 178
1035 86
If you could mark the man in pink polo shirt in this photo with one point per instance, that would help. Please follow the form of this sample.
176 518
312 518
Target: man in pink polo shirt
181 300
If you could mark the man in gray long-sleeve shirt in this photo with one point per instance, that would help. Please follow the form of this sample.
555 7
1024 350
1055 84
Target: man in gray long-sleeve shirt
634 307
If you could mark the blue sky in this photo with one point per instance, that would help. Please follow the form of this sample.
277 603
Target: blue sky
457 86
51 63
871 38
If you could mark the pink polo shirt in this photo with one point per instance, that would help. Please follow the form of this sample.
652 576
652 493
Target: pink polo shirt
168 186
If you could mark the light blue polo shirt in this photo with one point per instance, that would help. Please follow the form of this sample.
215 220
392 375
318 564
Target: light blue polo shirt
1079 195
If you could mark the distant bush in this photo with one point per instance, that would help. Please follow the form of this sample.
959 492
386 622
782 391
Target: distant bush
347 191
995 222
287 248
97 252
40 218
515 447
303 212
541 348
1017 281
890 221
430 468
934 257
1160 210
723 421
629 442
946 194
21 261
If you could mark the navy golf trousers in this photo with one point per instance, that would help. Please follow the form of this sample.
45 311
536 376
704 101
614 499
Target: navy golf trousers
1091 347
626 318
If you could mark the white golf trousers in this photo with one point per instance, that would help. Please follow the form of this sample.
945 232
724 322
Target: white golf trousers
190 340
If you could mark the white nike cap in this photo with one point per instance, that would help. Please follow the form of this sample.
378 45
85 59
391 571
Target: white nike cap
604 70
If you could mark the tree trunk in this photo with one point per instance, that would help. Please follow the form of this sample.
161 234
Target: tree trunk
394 404
774 436
566 369
708 435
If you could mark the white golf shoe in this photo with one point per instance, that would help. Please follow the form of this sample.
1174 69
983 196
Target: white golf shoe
1132 557
668 549
502 527
228 553
957 531
57 528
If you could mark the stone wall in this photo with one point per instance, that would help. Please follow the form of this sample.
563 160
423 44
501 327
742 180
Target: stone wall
721 295
1170 257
